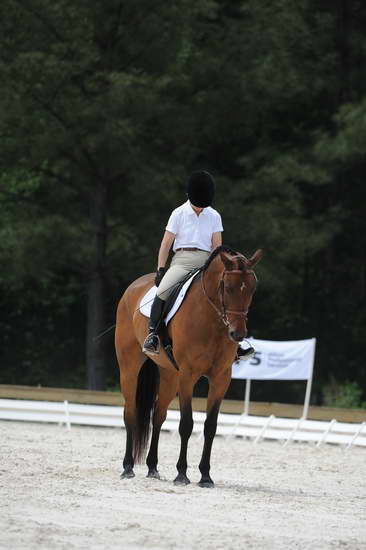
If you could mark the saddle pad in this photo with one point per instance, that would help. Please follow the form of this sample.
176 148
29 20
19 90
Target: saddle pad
148 298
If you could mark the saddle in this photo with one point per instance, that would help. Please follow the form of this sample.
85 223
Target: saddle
174 301
174 295
165 339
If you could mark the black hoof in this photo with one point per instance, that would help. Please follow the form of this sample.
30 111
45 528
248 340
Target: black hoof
153 473
127 473
206 482
181 479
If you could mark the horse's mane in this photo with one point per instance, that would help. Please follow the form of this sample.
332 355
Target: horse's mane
214 253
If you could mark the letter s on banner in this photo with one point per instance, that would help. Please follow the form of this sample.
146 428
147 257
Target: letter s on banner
256 359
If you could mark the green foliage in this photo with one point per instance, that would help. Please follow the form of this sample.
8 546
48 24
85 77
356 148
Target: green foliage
346 394
105 108
348 143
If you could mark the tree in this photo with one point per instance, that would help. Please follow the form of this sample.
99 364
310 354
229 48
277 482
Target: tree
84 88
106 108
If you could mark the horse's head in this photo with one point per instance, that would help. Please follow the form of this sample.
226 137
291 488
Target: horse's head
237 286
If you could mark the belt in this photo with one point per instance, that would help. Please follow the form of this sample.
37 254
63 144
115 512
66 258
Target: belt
190 249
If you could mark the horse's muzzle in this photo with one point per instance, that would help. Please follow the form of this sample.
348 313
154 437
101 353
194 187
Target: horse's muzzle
237 336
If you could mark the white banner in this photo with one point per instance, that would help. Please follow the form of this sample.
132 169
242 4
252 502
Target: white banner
289 360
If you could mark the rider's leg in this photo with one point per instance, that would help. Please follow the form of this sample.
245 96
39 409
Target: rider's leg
152 342
182 263
166 286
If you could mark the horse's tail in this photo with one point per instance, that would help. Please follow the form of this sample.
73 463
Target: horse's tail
147 389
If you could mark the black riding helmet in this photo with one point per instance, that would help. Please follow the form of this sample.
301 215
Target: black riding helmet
201 188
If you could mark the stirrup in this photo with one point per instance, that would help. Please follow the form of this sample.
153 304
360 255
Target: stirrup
151 344
244 354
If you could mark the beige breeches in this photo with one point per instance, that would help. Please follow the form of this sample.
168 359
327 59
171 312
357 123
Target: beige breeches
183 261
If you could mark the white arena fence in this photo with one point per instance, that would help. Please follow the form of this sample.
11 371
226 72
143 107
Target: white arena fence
255 428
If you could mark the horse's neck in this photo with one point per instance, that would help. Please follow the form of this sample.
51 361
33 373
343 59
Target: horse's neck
212 277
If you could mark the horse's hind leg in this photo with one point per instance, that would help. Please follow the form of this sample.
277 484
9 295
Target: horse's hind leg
129 387
167 390
128 462
130 359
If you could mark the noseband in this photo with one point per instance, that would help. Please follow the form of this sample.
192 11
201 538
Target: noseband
224 312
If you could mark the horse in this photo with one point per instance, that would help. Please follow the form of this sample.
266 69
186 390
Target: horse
205 332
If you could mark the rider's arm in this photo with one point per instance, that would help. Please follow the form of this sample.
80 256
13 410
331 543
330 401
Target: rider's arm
165 247
216 239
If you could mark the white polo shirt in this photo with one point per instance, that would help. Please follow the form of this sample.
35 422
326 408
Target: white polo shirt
192 231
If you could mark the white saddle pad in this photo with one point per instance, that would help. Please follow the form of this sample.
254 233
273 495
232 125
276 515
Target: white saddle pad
148 298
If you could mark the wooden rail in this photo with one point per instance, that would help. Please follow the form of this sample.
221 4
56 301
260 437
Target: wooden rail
199 403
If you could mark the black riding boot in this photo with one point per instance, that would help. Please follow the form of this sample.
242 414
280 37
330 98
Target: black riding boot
244 354
152 341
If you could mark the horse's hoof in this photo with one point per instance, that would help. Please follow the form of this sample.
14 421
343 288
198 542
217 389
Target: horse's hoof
206 483
127 473
181 479
153 473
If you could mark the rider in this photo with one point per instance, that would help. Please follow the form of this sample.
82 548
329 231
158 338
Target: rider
194 229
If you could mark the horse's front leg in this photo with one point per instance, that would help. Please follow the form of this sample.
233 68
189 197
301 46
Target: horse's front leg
167 391
185 428
218 386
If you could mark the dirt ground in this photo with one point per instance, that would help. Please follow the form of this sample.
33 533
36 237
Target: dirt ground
61 490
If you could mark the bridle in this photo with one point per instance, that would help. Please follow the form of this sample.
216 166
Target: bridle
224 312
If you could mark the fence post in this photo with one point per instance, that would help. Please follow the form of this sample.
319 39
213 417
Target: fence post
265 426
357 433
67 415
309 383
292 434
324 435
247 396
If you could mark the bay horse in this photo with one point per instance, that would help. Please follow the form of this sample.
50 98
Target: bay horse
205 333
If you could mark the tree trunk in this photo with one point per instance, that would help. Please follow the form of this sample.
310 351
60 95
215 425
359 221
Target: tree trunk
96 356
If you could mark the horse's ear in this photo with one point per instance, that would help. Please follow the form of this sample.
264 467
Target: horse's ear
226 260
257 256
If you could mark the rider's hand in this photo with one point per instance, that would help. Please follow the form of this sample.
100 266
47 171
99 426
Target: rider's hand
159 275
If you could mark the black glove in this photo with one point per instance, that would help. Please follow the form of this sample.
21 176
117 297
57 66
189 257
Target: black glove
159 275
